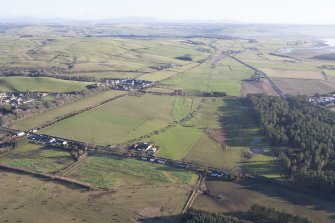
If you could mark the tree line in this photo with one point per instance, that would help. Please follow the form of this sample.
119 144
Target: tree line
275 216
308 132
197 216
53 71
256 214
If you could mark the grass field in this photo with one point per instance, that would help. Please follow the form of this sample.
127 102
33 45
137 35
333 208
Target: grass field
207 77
176 141
117 121
99 57
48 116
304 87
280 73
39 84
37 158
211 153
235 132
182 107
234 199
112 172
30 200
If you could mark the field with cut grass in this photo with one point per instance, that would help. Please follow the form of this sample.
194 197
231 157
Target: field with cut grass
39 84
51 115
116 172
236 198
304 87
31 200
281 73
37 158
118 121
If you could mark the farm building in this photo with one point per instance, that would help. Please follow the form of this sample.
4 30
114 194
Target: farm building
144 147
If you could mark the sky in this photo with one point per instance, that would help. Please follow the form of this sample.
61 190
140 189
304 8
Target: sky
252 11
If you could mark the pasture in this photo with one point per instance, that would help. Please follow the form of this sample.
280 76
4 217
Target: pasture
231 131
99 57
49 116
28 199
182 107
236 198
37 158
280 73
118 121
209 77
176 141
106 171
39 84
304 87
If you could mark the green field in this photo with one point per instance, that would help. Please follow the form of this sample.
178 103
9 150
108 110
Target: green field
207 77
117 121
39 84
98 57
304 87
182 108
230 198
30 200
37 158
113 172
51 115
208 152
176 141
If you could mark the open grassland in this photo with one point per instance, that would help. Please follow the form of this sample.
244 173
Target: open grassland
208 152
51 115
37 158
210 149
265 61
239 123
304 87
182 107
167 73
117 121
31 200
176 141
173 48
234 199
242 136
280 73
39 84
208 77
100 57
113 172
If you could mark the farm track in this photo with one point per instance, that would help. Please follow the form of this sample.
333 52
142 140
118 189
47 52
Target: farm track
72 166
194 194
208 59
275 87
